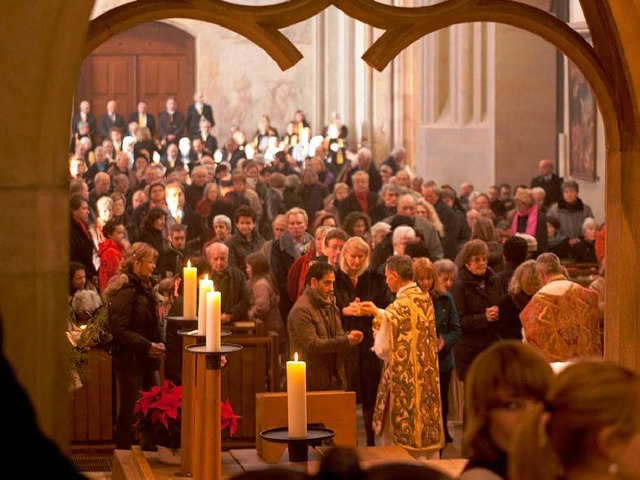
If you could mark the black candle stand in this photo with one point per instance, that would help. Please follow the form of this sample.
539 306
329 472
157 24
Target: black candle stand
214 358
298 447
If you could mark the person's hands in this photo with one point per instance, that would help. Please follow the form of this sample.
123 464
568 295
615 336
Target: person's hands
352 309
492 313
226 318
156 350
440 343
355 337
573 241
368 308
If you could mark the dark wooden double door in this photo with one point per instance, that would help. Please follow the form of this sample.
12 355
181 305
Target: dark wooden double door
149 62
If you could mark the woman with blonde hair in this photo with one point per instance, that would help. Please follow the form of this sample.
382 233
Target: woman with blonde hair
503 382
425 210
135 325
359 293
447 328
523 285
529 219
587 428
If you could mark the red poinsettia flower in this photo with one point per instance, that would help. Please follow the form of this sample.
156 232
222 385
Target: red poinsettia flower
229 420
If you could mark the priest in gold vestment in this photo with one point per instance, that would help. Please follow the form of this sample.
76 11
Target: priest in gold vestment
408 410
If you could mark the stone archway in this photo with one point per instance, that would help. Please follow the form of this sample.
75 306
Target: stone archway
34 254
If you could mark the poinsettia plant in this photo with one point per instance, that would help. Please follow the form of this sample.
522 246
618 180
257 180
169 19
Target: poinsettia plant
159 415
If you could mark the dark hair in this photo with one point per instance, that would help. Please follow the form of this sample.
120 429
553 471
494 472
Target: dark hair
399 220
335 233
152 215
515 250
340 463
571 184
177 227
73 268
350 221
554 222
484 230
75 202
110 227
281 155
470 249
244 211
321 216
317 271
402 265
417 249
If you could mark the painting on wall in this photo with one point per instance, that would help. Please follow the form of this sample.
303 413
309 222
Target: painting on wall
582 126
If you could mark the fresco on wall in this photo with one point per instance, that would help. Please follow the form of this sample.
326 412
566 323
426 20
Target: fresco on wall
582 127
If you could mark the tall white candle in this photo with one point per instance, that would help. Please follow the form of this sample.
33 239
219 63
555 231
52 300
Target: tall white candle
212 338
297 398
206 285
190 275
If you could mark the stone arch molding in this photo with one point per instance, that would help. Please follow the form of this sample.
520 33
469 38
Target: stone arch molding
402 25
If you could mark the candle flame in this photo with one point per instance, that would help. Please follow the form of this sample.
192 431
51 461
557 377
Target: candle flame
206 277
295 357
83 327
189 264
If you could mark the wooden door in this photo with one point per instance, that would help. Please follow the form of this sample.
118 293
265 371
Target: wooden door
149 62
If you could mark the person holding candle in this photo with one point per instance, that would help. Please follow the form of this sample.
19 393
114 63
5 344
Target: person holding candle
315 331
135 326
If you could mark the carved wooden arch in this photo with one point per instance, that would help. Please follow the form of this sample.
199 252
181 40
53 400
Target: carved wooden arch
403 26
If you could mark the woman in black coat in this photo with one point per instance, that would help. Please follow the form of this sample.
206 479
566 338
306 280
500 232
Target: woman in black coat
135 326
476 293
523 285
359 293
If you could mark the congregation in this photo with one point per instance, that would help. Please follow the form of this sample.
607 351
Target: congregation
333 250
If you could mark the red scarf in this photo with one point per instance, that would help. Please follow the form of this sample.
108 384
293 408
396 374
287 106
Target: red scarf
363 200
83 225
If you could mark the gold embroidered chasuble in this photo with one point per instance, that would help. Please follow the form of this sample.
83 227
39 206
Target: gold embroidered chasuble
409 389
562 321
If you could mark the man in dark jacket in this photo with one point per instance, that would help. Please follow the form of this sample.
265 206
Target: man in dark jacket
81 246
230 282
316 334
549 181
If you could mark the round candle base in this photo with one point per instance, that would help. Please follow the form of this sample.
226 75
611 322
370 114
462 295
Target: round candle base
298 447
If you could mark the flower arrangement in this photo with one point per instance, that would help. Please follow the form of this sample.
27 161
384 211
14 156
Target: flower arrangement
159 414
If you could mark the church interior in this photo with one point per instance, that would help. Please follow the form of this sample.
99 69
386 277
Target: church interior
476 91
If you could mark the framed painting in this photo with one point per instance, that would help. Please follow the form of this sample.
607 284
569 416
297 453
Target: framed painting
582 126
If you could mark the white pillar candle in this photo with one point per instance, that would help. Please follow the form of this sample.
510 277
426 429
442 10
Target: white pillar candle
297 398
189 274
206 285
212 339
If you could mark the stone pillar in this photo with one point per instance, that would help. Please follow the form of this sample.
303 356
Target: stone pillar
40 53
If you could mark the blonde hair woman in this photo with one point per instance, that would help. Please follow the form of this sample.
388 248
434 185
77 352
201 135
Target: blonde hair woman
359 293
135 326
426 210
523 285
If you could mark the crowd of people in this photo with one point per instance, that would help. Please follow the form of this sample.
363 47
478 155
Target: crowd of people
383 281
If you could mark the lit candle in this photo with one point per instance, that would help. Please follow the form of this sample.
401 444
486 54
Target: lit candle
297 398
212 340
206 285
190 274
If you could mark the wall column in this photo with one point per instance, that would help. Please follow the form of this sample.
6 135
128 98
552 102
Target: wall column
40 51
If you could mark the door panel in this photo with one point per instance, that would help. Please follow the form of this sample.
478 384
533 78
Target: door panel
149 62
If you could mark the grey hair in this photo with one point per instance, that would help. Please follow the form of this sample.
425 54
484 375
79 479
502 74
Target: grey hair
403 231
292 181
588 223
435 186
222 219
362 174
365 152
86 301
380 227
445 266
549 263
541 190
388 187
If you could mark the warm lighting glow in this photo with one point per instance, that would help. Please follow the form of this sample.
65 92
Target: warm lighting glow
83 327
206 276
295 357
189 264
